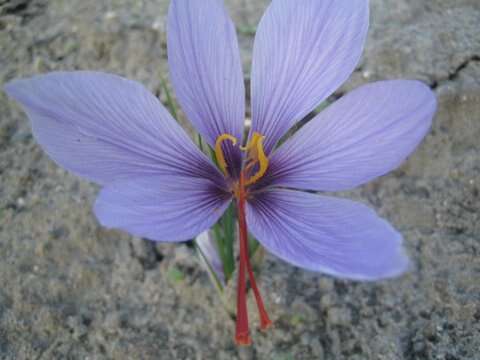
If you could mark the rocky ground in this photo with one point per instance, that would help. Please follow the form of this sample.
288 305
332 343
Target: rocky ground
72 290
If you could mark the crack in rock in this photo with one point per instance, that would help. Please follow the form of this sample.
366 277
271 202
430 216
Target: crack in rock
453 75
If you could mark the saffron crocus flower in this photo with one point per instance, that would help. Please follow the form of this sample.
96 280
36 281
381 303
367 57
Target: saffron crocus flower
157 184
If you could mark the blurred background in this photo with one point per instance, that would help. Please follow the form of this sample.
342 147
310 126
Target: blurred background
72 290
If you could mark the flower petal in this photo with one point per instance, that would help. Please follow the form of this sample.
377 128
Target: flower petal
365 134
205 67
335 236
210 256
161 208
105 128
304 50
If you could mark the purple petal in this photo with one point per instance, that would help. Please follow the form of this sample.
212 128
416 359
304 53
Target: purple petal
304 50
161 208
210 255
335 236
105 128
363 135
205 67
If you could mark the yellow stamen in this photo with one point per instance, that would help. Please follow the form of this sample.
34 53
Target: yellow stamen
219 152
256 137
256 154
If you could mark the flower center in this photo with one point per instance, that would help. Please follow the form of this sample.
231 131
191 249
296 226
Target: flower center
256 163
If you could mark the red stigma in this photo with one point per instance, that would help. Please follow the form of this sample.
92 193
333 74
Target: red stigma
242 336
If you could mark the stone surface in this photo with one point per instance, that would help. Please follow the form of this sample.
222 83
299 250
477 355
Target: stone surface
71 289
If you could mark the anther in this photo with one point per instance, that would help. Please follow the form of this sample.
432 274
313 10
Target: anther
219 151
256 154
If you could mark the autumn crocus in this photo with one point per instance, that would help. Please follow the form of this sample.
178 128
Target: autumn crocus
157 184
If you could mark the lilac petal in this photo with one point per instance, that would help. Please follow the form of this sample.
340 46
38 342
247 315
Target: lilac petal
210 255
335 236
105 128
205 67
161 208
304 50
363 135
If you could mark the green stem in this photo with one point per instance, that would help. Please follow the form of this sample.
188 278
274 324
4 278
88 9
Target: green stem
229 231
170 103
200 143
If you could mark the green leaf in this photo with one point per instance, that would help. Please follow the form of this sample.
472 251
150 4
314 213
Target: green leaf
175 274
247 30
170 103
228 222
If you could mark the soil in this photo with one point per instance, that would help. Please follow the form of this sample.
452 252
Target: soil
73 290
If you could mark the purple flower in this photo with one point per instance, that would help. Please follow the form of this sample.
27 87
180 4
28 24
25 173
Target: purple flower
210 257
157 184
